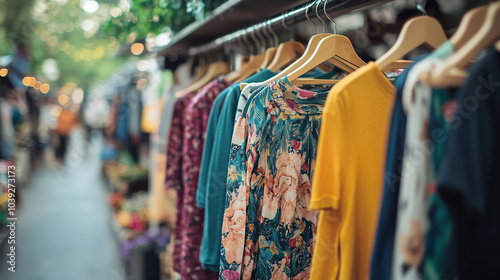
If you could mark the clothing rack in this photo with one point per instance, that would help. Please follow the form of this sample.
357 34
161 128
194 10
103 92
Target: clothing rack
324 10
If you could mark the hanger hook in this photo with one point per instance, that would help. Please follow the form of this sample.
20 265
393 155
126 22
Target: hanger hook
290 31
317 15
266 36
330 19
307 15
275 36
245 38
241 43
420 5
258 32
254 38
262 42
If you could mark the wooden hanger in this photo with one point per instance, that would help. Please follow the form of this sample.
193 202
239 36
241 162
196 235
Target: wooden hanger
215 69
311 46
270 53
286 53
336 49
470 23
453 72
198 74
422 30
398 64
249 68
307 81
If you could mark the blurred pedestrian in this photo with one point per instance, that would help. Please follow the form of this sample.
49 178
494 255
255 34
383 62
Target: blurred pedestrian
65 124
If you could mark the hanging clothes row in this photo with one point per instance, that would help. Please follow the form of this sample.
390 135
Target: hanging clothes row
278 166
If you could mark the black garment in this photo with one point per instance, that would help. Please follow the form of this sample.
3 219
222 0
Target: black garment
62 147
469 178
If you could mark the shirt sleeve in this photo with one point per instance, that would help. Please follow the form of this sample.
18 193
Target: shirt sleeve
207 150
326 185
219 162
173 175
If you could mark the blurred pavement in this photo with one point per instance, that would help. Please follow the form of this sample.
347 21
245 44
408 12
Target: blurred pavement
64 229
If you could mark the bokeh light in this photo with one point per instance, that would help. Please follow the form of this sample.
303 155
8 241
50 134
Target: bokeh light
55 111
32 82
26 81
44 88
4 72
137 48
37 85
141 83
116 12
89 6
143 65
77 96
63 100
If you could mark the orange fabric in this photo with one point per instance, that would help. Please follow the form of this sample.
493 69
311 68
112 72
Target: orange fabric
66 121
348 176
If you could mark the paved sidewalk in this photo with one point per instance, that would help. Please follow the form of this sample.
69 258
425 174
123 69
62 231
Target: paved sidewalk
63 228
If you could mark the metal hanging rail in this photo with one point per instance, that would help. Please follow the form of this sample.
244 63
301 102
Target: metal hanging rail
228 17
332 9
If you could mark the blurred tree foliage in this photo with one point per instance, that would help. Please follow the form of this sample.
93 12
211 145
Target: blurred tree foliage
155 16
84 41
61 30
149 17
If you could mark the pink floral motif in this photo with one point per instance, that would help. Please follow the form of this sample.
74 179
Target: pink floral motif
296 145
240 131
292 105
304 192
304 93
305 167
230 275
279 271
233 228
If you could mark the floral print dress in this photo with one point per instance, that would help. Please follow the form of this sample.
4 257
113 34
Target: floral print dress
268 231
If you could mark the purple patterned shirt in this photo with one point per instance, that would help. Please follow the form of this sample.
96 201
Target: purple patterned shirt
195 125
173 177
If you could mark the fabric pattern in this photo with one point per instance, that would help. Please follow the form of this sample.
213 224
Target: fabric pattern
440 262
215 188
247 91
173 176
195 124
381 261
268 230
413 258
412 222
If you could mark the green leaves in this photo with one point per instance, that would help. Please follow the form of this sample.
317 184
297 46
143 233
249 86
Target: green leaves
149 17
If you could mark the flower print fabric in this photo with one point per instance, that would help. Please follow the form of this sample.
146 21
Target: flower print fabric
195 125
412 221
268 231
173 176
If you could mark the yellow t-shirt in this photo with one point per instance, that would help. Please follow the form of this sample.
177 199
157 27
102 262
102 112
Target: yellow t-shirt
347 180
